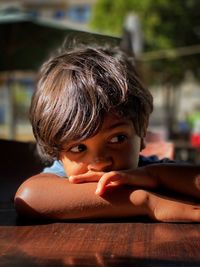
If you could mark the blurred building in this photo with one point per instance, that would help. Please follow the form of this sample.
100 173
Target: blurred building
77 12
16 89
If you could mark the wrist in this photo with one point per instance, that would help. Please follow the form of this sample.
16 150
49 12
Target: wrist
143 177
152 174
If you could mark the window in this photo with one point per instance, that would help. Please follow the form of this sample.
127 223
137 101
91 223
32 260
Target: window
79 13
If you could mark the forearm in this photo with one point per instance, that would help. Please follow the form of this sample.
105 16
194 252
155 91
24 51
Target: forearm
53 197
181 178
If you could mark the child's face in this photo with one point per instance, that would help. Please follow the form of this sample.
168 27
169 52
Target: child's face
115 147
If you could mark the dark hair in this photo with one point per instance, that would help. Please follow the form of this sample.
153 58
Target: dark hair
75 91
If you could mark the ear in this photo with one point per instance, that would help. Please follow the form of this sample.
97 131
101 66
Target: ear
142 144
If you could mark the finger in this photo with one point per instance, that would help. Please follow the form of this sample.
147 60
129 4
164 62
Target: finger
111 177
171 210
87 177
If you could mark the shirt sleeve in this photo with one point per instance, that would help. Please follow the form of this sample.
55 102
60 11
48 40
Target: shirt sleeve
56 168
144 161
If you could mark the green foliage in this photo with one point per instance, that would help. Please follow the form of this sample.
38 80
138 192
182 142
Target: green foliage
108 15
166 24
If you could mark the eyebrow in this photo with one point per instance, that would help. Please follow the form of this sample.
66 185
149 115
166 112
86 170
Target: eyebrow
115 125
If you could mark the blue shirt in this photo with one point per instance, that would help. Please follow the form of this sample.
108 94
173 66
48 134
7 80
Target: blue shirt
57 166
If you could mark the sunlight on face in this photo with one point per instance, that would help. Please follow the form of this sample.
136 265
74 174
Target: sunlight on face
115 147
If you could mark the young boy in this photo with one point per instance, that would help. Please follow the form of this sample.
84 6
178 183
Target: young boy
90 115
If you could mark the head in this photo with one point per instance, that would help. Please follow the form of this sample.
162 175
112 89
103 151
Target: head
80 93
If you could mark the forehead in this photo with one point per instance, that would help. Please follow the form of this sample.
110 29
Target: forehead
112 121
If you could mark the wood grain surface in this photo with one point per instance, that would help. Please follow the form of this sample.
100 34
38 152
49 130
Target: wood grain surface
100 244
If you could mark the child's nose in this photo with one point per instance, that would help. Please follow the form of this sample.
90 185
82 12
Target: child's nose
100 164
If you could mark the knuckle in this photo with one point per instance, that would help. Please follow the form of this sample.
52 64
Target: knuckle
140 197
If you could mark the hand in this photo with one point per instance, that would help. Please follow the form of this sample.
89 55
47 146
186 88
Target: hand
90 176
138 177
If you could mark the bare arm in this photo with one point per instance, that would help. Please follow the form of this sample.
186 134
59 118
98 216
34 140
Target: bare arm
47 195
178 178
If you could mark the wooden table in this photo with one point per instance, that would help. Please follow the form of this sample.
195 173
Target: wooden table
93 243
112 243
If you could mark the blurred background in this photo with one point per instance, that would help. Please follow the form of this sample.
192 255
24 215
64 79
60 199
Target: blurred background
163 35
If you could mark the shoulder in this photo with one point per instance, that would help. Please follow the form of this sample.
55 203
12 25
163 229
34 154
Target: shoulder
56 168
144 161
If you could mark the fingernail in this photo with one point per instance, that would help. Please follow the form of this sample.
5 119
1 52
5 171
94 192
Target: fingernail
97 191
71 178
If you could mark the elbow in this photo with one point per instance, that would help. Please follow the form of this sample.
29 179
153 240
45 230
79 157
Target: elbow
26 202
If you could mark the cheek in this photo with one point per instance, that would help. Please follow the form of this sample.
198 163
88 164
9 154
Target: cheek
136 146
135 158
130 155
73 167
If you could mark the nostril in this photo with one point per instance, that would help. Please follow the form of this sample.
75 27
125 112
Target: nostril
107 168
101 165
102 169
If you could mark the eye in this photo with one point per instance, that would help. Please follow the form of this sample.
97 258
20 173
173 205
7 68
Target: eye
78 148
120 138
